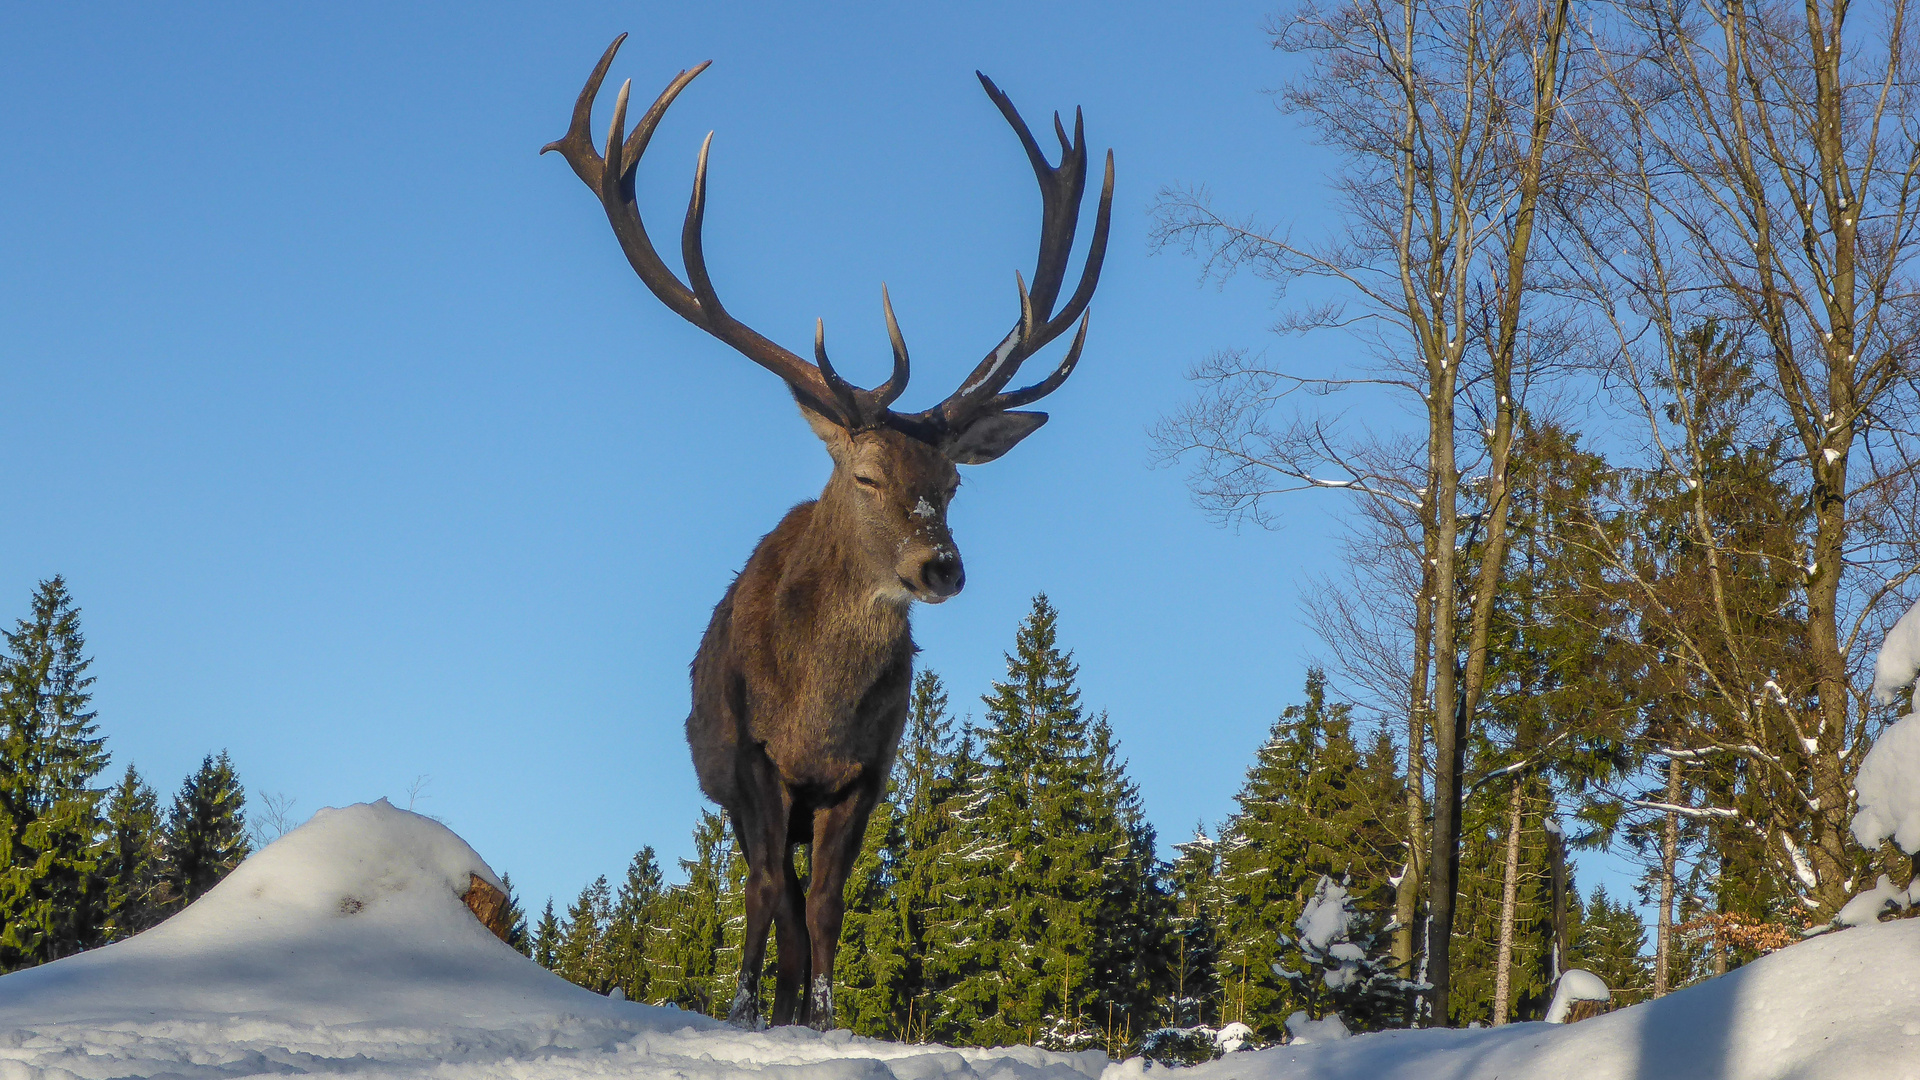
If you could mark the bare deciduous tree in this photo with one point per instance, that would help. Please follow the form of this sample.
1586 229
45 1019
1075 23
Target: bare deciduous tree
1446 115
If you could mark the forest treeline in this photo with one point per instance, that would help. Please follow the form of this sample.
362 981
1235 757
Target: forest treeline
83 865
1611 325
1010 889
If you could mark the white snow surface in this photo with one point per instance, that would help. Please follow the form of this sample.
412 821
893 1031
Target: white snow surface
1576 984
276 971
343 949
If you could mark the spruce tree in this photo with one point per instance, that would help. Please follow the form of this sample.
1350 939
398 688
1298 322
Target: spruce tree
1194 882
515 918
1339 961
545 947
581 957
1609 942
206 832
631 928
1312 805
869 963
687 953
129 868
1055 865
49 813
929 778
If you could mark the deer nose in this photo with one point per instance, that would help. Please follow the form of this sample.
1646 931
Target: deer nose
943 575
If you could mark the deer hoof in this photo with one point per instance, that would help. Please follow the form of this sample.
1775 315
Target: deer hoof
820 1004
745 1013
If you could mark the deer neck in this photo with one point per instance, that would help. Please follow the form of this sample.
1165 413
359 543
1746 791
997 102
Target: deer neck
853 591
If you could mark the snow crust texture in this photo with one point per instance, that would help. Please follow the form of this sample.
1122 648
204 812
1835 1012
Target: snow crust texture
343 949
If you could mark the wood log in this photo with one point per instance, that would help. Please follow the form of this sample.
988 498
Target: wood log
488 904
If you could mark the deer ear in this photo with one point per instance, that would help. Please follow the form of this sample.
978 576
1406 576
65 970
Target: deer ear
825 426
990 436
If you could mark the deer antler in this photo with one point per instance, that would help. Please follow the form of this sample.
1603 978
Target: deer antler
612 178
1061 188
818 385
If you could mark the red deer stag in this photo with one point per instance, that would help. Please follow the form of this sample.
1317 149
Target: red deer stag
801 682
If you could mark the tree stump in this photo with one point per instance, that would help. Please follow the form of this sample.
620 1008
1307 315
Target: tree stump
1587 1010
488 904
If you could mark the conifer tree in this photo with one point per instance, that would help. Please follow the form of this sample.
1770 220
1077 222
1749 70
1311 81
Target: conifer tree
1194 880
1609 943
129 869
687 953
206 832
869 961
545 947
1311 806
49 813
1338 961
582 957
1050 867
515 918
631 927
925 787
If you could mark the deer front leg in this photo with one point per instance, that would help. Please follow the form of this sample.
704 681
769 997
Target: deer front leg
837 833
760 827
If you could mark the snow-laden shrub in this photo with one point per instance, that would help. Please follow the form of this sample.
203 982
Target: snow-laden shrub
1344 972
1179 1047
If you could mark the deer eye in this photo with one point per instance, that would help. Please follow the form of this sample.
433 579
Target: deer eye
867 481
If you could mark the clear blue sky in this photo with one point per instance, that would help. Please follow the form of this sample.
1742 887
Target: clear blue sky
369 459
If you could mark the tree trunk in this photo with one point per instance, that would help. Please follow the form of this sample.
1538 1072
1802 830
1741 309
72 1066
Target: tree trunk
1669 856
1406 895
1509 894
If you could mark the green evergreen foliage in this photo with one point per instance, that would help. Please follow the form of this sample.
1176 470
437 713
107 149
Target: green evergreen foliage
1053 881
931 774
516 919
206 832
129 868
686 954
582 956
1194 991
869 963
1312 805
1610 942
49 812
545 946
631 926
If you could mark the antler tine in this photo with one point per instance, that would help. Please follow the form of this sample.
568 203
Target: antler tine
845 394
1061 189
896 384
613 179
1031 394
577 144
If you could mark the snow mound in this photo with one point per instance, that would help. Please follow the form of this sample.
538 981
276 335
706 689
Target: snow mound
1837 1007
343 949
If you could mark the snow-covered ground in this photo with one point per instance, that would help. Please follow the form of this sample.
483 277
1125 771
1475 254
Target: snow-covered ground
343 950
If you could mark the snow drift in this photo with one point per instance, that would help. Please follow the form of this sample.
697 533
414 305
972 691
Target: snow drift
344 950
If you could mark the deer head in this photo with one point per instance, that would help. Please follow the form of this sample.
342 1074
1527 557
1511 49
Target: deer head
893 474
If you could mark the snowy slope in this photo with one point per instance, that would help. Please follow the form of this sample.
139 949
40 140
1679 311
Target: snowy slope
1845 1006
343 950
